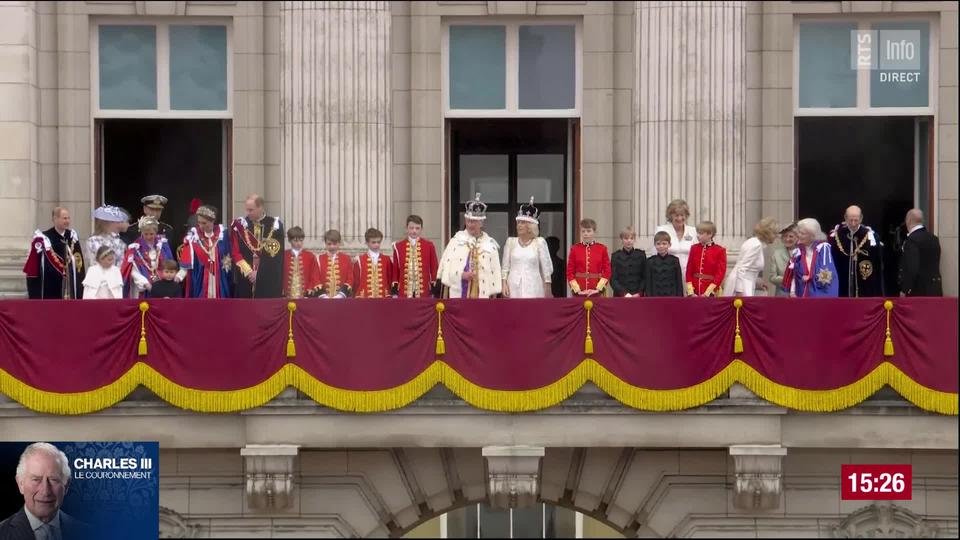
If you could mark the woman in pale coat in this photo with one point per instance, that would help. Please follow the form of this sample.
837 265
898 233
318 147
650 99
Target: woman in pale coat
108 223
780 260
744 280
682 236
526 267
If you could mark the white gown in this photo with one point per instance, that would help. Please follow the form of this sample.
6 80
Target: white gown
679 246
526 268
743 278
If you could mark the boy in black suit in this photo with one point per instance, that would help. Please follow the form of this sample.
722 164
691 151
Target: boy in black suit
167 286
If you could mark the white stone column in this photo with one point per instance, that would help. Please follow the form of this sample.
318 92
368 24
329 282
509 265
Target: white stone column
689 113
335 117
19 116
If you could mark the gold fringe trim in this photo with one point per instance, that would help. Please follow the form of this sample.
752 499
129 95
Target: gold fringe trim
211 401
888 342
142 346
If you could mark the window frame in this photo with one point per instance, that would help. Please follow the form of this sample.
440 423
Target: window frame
864 108
512 66
162 26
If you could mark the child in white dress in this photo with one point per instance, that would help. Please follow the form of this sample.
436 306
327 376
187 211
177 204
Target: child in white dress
103 280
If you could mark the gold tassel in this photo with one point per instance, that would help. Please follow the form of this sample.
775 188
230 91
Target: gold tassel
441 346
588 342
291 346
142 347
888 342
737 340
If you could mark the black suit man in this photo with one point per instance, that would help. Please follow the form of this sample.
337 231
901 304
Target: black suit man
920 262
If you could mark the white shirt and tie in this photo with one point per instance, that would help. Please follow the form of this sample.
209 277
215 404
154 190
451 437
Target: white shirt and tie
45 531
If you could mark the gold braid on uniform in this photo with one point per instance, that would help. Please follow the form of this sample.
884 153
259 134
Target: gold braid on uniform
296 283
474 287
373 278
836 240
333 275
413 269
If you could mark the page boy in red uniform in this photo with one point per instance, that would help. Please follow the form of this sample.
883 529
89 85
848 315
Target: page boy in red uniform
588 264
707 264
336 269
373 272
414 264
301 272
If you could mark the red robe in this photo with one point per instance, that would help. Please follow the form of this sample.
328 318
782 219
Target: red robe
372 280
336 273
706 269
424 262
300 278
588 267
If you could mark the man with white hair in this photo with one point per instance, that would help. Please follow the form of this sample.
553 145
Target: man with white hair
43 476
858 254
470 265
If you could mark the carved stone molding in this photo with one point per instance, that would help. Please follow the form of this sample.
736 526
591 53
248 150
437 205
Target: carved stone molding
513 475
173 525
759 472
269 475
884 520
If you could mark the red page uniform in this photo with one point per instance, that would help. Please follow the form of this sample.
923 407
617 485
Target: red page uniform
588 267
414 267
301 273
706 269
372 276
336 274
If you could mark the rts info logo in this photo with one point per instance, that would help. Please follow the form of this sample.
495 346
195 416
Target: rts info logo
896 53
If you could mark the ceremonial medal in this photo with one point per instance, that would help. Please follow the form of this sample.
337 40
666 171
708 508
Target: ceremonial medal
824 276
866 269
227 263
271 247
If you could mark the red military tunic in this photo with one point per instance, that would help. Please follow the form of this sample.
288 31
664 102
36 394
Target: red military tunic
588 267
301 274
414 271
371 279
706 269
336 273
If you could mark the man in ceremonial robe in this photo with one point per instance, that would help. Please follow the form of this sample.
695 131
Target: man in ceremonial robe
205 260
470 265
414 263
858 255
143 262
336 268
257 252
301 272
153 206
55 267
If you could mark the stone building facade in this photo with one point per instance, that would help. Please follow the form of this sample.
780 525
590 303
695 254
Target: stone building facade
357 113
346 114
